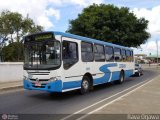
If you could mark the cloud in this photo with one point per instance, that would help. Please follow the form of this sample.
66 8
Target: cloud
149 47
43 12
53 12
38 10
81 3
152 15
86 2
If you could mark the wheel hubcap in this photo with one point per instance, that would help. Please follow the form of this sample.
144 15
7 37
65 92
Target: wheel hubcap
85 84
121 78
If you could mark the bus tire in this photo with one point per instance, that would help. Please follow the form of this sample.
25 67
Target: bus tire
121 78
139 74
85 85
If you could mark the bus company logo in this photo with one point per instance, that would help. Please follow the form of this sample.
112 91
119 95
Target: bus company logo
4 116
37 80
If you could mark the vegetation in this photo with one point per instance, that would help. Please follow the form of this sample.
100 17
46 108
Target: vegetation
13 26
13 52
111 24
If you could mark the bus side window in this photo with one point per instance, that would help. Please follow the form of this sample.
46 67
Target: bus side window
128 54
132 58
87 52
123 51
117 54
70 54
109 53
99 54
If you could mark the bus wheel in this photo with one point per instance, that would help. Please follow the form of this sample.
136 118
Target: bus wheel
139 74
121 78
85 85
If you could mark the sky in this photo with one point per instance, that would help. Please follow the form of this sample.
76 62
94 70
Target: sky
55 14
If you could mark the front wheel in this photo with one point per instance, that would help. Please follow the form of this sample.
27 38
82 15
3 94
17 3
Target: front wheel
85 85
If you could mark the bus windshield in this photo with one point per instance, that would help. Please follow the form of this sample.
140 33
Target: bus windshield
42 55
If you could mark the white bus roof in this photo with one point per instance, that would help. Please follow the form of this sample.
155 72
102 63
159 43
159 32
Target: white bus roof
86 39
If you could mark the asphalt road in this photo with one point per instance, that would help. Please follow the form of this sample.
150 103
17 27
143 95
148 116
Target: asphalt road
39 102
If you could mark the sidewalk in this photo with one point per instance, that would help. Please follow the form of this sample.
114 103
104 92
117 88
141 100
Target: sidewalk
10 85
144 101
151 66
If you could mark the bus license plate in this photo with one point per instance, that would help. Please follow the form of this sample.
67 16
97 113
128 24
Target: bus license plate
38 84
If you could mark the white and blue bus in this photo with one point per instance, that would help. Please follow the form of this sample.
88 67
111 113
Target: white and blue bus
60 62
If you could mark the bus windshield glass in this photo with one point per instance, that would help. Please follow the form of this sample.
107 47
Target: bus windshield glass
42 55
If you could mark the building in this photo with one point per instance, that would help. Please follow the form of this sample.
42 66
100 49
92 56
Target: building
153 58
140 58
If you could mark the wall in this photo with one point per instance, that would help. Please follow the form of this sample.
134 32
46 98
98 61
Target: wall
11 71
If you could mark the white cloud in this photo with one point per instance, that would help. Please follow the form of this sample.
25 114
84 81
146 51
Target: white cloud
149 47
37 9
82 3
41 11
44 21
152 15
53 12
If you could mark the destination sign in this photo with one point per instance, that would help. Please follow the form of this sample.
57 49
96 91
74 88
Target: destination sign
39 37
43 37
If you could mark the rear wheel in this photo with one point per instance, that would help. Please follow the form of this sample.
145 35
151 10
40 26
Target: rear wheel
139 74
121 78
85 85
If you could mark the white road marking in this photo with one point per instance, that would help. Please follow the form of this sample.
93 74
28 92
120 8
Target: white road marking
84 116
105 100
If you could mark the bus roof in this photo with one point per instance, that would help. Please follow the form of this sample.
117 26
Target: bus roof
81 38
88 39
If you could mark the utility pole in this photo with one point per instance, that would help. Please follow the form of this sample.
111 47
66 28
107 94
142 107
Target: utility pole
157 52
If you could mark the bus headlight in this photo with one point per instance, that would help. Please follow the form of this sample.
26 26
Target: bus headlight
53 79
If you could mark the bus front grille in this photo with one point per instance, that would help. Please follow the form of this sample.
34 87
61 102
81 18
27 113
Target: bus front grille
38 73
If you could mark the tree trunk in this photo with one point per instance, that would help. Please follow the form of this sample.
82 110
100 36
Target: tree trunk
11 39
17 36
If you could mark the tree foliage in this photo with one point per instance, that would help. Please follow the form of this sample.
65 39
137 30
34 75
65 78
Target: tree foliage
14 24
13 52
112 24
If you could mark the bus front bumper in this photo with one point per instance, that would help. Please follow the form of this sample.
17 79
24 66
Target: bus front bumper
55 86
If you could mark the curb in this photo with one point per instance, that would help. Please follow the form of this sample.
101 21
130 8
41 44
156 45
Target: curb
11 88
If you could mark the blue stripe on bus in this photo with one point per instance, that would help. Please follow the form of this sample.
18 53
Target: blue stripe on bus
128 73
115 75
56 86
103 79
107 73
71 84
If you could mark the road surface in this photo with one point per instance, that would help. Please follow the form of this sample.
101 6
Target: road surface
39 102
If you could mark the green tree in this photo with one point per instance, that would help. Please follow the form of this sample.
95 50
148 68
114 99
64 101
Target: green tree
13 52
13 26
13 23
28 26
112 24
